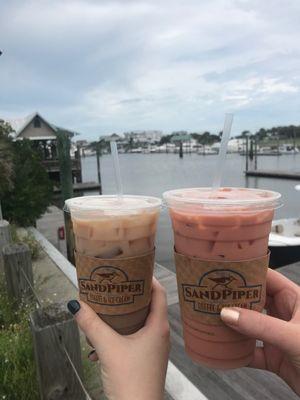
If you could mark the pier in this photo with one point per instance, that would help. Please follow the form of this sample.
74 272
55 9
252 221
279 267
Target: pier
264 173
81 187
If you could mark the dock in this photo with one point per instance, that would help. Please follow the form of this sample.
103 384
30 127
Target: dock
264 173
185 379
81 187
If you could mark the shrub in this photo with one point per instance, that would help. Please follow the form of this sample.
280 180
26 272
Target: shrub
31 189
17 366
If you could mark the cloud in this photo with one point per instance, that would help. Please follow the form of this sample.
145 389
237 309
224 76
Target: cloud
106 66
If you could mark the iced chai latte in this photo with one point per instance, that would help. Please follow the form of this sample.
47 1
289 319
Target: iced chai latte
221 255
114 241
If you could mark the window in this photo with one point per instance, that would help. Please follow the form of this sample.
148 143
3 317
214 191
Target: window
37 122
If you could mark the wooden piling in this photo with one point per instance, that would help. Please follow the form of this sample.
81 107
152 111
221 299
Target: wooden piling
180 150
70 239
65 165
55 338
5 238
18 270
98 154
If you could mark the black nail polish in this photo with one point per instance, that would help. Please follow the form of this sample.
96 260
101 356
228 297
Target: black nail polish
73 306
91 353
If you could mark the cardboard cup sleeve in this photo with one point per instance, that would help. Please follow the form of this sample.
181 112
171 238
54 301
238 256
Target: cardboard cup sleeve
205 287
115 286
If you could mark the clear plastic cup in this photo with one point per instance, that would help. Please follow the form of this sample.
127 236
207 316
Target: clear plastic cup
107 227
224 225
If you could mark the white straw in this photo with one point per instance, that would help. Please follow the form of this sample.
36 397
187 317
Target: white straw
222 152
115 156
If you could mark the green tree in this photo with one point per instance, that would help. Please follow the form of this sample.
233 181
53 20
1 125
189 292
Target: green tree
165 139
6 159
29 195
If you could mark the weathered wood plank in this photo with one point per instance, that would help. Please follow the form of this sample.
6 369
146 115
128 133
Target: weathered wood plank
244 383
54 331
5 238
292 272
18 270
168 279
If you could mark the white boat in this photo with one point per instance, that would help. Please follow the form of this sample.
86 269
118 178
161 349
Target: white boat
284 242
207 152
288 148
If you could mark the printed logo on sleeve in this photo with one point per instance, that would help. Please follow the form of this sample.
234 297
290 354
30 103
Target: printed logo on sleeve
110 286
221 288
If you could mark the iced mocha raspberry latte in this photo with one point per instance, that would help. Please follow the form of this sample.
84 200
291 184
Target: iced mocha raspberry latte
221 246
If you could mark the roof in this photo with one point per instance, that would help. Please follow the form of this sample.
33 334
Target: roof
19 124
184 137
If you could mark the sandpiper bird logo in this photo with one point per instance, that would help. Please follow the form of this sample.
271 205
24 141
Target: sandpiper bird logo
111 286
222 281
219 288
107 276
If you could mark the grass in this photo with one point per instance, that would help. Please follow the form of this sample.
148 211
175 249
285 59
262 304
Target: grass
17 366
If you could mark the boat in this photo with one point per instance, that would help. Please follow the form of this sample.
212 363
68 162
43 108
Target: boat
288 148
207 152
284 242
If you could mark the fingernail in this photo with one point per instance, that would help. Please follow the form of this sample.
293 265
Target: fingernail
73 306
230 316
91 353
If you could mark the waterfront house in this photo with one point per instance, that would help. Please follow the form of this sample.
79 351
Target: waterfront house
43 136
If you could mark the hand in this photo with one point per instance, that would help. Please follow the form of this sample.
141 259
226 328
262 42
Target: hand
279 330
134 366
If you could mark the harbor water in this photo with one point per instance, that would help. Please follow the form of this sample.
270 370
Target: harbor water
152 174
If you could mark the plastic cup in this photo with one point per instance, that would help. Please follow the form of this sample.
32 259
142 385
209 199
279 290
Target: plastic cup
118 234
219 230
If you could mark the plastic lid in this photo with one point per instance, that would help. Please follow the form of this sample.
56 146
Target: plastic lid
112 203
224 197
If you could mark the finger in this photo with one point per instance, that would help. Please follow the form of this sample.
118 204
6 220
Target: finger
158 308
96 330
274 331
259 360
88 341
277 282
92 356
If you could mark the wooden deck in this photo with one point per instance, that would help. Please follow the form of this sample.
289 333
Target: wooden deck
199 383
240 384
274 174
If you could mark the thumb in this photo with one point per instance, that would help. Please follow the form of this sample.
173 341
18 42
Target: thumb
277 332
96 330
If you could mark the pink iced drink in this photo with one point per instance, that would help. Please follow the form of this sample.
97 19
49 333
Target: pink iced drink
230 224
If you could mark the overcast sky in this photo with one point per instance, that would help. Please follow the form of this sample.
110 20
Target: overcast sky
111 66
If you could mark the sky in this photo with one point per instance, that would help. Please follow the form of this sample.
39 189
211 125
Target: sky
107 66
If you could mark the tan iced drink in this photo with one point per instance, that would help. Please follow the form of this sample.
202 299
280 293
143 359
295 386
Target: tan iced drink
114 241
221 254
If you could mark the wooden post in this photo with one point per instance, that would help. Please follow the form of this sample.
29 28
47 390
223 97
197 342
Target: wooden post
17 262
294 140
247 151
180 150
98 168
78 165
255 154
54 333
70 239
65 165
5 238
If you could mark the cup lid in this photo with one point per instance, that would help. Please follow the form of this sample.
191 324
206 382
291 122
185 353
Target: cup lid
112 203
224 197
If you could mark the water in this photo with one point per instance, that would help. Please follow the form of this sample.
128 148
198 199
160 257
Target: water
152 174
